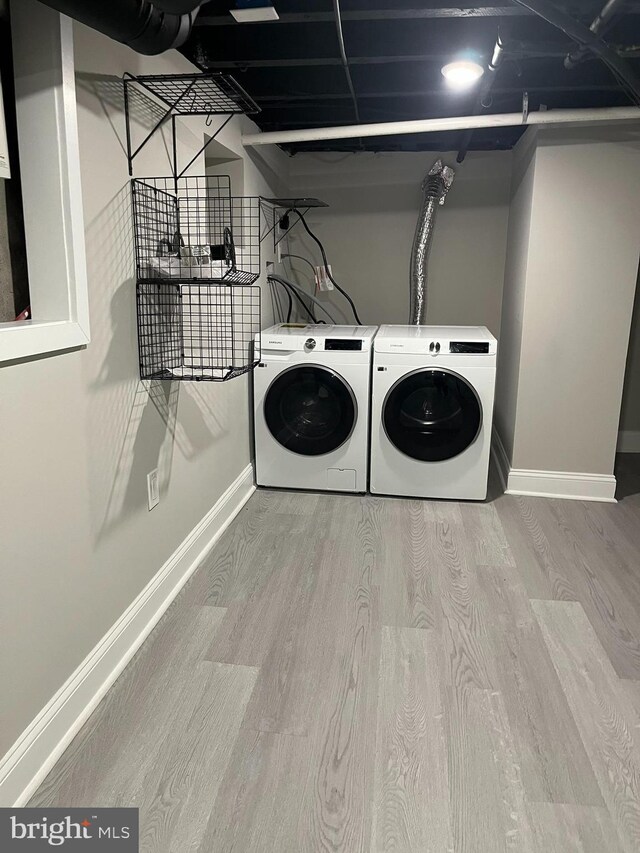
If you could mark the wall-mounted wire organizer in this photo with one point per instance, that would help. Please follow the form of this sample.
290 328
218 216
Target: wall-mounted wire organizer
197 257
197 246
197 332
194 229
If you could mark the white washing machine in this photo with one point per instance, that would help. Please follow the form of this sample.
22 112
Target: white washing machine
311 406
432 409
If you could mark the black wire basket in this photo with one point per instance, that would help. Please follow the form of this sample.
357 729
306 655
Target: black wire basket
193 229
197 332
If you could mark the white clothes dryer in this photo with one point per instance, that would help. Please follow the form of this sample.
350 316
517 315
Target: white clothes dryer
432 410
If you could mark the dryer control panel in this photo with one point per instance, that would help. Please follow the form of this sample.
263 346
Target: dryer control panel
459 347
469 347
436 341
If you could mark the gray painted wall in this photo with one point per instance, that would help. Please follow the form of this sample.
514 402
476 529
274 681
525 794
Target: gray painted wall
80 431
369 227
579 267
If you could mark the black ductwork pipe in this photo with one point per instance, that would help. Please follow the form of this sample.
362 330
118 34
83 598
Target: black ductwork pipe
141 25
177 7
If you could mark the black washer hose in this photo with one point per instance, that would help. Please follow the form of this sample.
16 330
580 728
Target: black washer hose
326 264
290 298
290 291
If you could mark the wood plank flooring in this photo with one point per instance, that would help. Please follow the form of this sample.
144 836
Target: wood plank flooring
365 675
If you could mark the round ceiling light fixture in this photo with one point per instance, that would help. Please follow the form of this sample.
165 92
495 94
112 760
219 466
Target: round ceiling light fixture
462 73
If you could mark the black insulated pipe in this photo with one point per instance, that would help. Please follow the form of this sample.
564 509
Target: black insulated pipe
485 88
141 25
599 24
343 56
590 41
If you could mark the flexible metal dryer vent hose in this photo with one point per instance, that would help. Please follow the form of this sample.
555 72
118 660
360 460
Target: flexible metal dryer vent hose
435 188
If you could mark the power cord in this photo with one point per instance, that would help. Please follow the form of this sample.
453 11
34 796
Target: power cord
301 258
303 293
289 297
291 291
277 303
307 295
326 263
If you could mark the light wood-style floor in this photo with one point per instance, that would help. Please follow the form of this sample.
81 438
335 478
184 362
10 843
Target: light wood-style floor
364 674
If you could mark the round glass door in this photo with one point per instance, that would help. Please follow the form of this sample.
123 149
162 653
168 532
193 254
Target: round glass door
432 415
310 410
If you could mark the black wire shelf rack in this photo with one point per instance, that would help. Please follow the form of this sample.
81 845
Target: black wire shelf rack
193 229
278 215
205 94
197 332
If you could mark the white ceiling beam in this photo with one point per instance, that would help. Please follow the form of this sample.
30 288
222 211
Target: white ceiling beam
438 125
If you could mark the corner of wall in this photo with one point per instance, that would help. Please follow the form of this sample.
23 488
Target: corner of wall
513 299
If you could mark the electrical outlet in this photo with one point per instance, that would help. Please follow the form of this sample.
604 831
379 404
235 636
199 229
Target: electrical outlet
153 488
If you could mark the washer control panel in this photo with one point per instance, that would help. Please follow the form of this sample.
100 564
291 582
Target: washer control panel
351 342
343 345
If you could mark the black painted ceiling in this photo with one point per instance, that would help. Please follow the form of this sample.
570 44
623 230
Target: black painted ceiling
395 50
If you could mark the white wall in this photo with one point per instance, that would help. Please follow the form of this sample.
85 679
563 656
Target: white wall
369 227
575 274
80 431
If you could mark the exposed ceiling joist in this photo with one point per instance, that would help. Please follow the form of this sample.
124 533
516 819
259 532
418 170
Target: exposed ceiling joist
289 101
302 61
500 11
394 53
376 15
522 55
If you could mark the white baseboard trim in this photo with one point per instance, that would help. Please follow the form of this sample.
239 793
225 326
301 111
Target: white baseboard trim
629 441
567 485
562 484
35 752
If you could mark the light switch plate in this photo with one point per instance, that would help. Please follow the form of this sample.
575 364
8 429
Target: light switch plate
153 488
